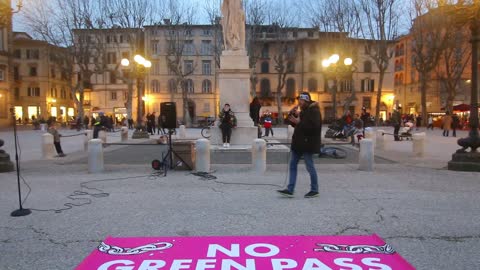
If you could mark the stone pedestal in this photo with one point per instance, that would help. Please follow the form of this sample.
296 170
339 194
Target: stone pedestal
467 161
5 164
234 85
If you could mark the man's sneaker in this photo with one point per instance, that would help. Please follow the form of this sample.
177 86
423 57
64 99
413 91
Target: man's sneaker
286 193
311 194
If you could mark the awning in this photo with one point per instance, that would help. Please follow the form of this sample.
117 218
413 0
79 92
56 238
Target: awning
462 107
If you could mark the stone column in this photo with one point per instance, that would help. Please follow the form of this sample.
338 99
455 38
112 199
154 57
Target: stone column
124 134
102 135
259 156
370 134
366 158
418 144
48 149
95 156
182 133
380 139
88 137
234 85
202 155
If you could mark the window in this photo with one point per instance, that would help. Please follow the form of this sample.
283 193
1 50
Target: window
113 95
125 95
17 54
2 75
367 66
188 67
290 67
290 50
52 72
53 92
368 85
172 86
111 58
189 32
345 86
188 86
206 107
206 32
206 87
206 67
291 88
310 34
155 86
366 102
33 91
264 67
295 34
126 55
312 66
265 51
156 68
16 73
155 47
312 85
33 71
63 93
189 47
17 93
313 48
265 90
33 54
113 77
206 48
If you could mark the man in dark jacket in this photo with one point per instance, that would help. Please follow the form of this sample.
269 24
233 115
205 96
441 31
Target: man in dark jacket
306 141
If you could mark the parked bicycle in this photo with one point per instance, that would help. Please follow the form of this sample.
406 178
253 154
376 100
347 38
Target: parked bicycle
206 130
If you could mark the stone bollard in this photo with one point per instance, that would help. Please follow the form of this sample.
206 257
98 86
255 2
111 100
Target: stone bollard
370 134
290 130
102 135
418 144
259 156
182 133
88 137
366 157
95 156
380 139
124 134
202 155
48 149
43 127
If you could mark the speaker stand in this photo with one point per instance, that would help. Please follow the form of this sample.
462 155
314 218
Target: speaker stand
21 211
169 156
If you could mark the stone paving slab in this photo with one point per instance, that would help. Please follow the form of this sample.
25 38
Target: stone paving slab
432 217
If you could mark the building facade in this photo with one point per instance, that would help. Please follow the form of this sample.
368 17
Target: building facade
40 88
5 62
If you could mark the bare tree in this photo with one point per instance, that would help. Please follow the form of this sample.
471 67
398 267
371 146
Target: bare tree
57 22
454 59
379 22
255 18
428 43
340 23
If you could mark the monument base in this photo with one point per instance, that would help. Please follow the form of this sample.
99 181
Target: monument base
468 161
140 134
240 136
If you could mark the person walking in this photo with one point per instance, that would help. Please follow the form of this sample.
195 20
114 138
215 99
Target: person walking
227 122
446 124
52 129
396 120
255 107
306 141
430 122
455 124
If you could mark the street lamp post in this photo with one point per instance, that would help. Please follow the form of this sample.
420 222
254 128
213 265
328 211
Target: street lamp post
137 72
333 69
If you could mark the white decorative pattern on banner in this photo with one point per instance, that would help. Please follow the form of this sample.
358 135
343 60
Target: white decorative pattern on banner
356 249
114 250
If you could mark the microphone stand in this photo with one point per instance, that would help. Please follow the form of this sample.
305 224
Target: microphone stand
21 211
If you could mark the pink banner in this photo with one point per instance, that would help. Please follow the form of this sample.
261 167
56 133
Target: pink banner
245 253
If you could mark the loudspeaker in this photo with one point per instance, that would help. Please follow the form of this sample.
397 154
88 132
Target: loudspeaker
168 112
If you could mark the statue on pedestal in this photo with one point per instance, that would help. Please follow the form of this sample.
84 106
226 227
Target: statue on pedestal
233 24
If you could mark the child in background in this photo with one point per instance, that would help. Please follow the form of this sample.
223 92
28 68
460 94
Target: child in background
267 123
56 138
